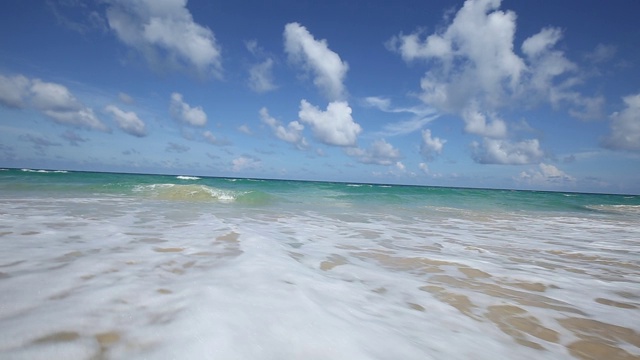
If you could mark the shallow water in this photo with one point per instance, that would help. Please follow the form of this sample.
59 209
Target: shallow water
111 266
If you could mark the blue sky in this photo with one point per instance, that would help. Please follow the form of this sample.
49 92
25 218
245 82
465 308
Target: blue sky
483 93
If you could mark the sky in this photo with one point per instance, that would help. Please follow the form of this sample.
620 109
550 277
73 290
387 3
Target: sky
509 94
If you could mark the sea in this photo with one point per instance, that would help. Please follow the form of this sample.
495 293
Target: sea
131 266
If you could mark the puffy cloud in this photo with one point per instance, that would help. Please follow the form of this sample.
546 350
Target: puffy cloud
380 152
315 56
476 123
625 126
128 122
165 34
244 162
499 151
474 55
335 126
291 134
545 174
424 167
474 72
430 146
14 90
183 112
53 100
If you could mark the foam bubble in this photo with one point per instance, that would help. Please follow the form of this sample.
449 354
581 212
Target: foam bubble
134 277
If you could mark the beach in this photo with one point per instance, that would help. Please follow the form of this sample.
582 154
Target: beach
114 266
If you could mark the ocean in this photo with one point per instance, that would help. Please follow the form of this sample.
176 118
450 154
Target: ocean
127 266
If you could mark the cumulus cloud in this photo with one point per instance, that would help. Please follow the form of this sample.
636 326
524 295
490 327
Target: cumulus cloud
165 33
314 56
334 126
625 126
474 57
51 99
380 152
292 133
477 123
14 90
127 121
501 151
545 174
475 71
244 162
183 112
430 146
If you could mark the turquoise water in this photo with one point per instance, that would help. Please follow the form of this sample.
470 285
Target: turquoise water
256 192
113 266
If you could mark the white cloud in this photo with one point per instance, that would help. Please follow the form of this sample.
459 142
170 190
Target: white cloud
476 123
14 90
128 122
474 72
421 116
335 126
424 167
602 53
430 146
625 126
260 74
380 152
261 77
57 102
498 151
315 56
125 98
245 129
474 57
400 166
165 34
53 100
244 163
183 112
545 174
291 134
212 139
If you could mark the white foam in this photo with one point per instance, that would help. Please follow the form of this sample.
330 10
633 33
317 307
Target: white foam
44 171
182 177
200 280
